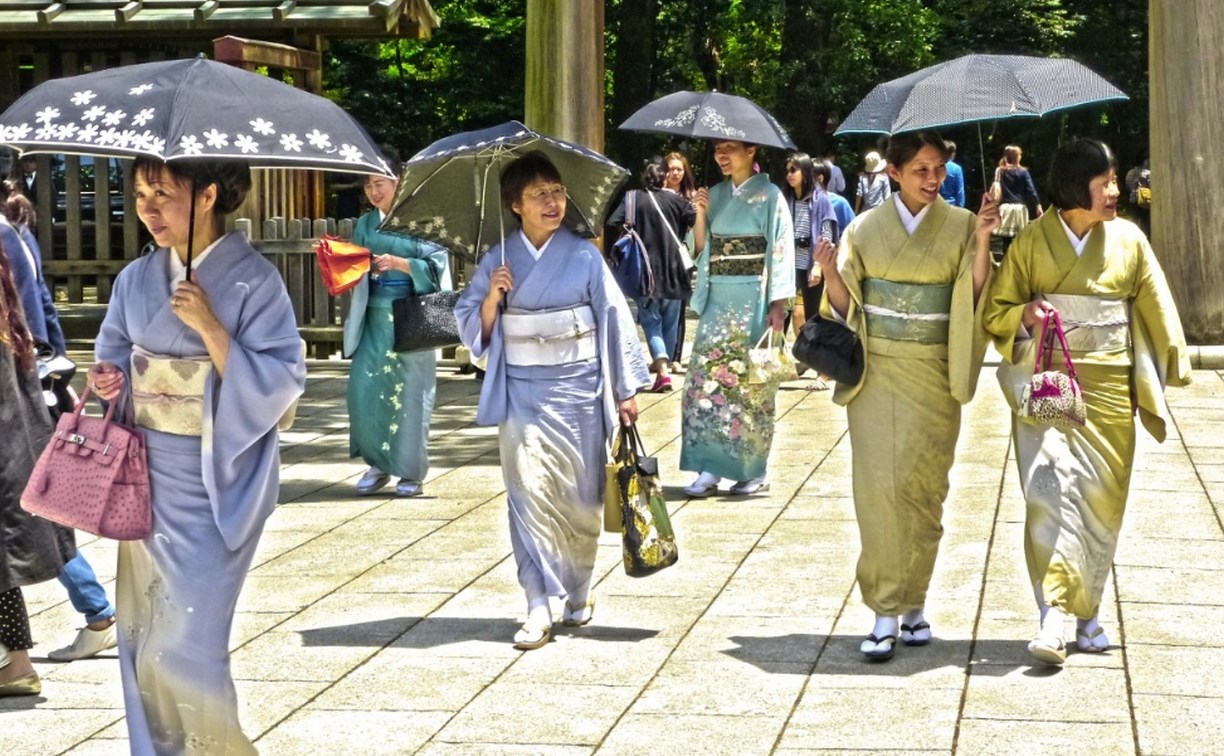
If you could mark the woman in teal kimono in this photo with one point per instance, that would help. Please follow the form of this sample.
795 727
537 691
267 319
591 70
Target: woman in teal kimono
907 279
745 278
1125 337
390 394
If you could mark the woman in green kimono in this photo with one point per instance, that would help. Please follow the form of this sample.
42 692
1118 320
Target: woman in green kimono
907 279
745 277
1099 273
390 394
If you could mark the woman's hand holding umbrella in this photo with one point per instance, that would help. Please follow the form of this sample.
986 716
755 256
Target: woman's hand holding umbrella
500 282
988 219
192 306
825 256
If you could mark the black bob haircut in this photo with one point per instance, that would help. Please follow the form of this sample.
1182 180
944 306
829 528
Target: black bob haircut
524 171
1074 166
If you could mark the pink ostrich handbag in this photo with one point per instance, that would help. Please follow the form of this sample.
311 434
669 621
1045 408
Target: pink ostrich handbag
93 476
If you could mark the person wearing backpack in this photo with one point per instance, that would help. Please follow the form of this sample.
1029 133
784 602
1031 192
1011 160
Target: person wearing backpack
661 220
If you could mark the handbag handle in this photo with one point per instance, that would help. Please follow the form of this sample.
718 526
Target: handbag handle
766 334
1046 347
110 407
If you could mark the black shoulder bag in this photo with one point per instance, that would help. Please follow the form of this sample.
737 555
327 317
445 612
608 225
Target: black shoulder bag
425 321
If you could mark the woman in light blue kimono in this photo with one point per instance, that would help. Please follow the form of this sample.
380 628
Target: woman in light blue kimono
209 361
564 364
390 394
745 277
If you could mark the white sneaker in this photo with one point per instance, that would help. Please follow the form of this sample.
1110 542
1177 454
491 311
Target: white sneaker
705 485
746 487
373 480
87 643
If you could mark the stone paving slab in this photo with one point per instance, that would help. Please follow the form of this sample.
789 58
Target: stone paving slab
374 625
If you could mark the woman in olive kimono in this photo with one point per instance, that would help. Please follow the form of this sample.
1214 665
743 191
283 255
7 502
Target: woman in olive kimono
390 394
1099 273
564 364
209 360
745 278
907 280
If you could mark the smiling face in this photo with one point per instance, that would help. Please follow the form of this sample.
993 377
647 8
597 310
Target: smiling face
1104 192
541 208
380 191
734 159
163 204
920 178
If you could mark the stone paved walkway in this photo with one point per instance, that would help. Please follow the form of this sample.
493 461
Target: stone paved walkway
382 626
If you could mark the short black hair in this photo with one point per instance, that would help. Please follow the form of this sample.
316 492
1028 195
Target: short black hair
903 147
232 177
950 146
1074 166
524 171
653 174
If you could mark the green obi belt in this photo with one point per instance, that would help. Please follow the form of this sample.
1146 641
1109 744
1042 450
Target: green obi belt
906 311
737 255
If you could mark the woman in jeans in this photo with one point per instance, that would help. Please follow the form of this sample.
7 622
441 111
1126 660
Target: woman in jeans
661 219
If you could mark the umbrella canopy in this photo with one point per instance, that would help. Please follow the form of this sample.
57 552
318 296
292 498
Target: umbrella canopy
195 108
709 115
977 88
450 192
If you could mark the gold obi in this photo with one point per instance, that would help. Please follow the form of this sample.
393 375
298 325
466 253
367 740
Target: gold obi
737 255
906 311
550 337
168 392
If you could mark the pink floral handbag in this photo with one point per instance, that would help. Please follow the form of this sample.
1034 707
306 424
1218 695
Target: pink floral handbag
93 476
1053 397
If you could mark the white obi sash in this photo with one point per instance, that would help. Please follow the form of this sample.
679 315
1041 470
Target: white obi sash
168 392
1093 324
550 337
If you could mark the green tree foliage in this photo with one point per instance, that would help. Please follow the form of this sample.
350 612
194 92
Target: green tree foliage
468 75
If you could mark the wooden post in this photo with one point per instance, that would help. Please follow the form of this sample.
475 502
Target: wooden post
565 70
1187 65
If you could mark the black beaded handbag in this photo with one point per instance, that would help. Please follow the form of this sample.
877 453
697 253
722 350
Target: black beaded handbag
425 321
831 349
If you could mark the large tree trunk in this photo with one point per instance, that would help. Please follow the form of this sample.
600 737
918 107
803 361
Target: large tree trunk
633 78
1187 66
565 71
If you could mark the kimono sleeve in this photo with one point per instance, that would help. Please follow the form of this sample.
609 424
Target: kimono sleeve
624 360
1009 290
780 234
265 373
967 335
1160 357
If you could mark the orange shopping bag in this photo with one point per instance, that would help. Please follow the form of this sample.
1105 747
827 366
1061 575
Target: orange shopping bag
341 263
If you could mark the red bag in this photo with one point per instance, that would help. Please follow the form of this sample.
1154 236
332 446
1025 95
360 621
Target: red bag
342 264
93 476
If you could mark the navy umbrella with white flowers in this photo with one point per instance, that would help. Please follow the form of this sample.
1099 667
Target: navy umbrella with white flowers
183 109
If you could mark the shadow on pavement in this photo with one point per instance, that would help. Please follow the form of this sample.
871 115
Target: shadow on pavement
431 632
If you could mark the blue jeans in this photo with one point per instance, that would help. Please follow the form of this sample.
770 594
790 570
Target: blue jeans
84 591
660 319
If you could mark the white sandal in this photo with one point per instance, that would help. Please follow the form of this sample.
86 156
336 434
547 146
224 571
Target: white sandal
530 637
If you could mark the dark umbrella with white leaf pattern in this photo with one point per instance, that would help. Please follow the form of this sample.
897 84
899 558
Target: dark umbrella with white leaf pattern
450 192
709 115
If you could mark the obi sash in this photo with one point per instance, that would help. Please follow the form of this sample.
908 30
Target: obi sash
549 337
1093 324
907 311
168 392
737 255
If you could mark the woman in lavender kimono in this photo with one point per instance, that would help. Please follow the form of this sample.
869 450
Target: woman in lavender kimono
209 363
745 277
564 364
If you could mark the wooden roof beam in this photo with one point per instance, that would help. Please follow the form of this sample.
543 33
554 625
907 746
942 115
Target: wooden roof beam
282 11
207 9
127 11
51 11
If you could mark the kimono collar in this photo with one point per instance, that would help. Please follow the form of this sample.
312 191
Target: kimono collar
909 220
178 271
736 190
1077 243
531 250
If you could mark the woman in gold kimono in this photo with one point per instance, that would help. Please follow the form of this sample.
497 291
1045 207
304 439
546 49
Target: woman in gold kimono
1099 273
907 279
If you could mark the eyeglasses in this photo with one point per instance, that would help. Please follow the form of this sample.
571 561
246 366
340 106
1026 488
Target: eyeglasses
792 169
541 196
